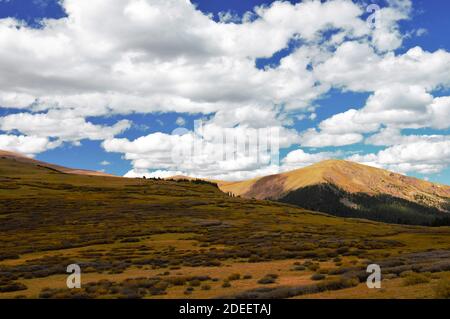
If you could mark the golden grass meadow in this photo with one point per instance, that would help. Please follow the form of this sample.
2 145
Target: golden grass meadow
142 238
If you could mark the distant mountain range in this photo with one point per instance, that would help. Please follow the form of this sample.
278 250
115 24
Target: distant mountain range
349 189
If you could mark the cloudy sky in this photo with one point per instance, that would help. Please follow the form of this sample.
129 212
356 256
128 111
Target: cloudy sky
103 84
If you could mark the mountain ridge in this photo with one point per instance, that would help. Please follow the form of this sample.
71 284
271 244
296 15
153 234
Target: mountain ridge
349 189
66 170
350 176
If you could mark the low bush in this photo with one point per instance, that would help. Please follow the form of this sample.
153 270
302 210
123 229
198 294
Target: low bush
195 283
312 266
415 279
268 279
10 287
130 240
406 273
289 292
442 289
234 277
299 268
318 277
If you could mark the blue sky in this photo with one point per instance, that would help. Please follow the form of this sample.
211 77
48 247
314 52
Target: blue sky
426 27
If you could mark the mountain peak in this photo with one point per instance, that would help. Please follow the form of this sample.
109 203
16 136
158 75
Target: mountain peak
332 161
339 163
348 176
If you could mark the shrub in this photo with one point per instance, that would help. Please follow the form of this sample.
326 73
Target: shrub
195 283
308 246
178 281
299 268
45 294
415 279
127 293
442 289
226 284
288 292
342 250
437 267
390 276
318 277
406 273
246 277
12 287
313 267
268 279
206 287
9 256
234 277
130 240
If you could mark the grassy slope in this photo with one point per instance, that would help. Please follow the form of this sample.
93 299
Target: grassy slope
27 160
126 228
